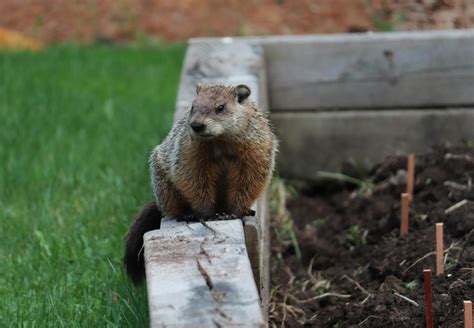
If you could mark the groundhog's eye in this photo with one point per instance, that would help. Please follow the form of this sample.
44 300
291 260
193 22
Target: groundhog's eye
219 109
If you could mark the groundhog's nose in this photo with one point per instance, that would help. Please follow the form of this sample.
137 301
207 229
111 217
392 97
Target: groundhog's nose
197 126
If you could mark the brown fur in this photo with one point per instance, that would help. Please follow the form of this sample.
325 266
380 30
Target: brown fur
244 167
173 200
226 167
222 169
248 177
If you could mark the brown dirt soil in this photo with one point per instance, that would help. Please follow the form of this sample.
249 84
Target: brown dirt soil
111 20
350 245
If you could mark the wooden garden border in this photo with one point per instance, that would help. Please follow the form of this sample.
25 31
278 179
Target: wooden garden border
215 274
332 98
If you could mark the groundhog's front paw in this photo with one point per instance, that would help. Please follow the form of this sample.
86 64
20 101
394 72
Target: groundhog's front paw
224 216
240 213
249 212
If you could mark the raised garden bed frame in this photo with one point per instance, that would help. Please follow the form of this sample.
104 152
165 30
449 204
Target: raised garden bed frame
332 98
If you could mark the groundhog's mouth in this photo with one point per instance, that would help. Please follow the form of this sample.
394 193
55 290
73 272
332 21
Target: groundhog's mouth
203 135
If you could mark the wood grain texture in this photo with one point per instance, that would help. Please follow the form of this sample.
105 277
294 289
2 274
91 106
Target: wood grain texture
224 62
367 70
324 140
375 70
200 276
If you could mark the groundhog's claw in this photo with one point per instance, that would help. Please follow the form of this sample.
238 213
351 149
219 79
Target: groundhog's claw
250 212
225 216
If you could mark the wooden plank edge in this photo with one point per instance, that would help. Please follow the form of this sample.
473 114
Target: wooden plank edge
200 275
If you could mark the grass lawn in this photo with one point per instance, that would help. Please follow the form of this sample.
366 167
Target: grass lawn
76 129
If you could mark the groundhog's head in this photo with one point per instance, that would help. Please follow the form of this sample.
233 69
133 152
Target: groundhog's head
219 111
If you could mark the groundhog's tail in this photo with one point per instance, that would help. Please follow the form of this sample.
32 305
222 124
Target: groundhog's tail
148 219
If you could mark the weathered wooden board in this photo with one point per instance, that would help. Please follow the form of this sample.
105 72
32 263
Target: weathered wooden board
253 242
233 61
374 70
200 276
229 63
323 140
225 61
369 70
263 221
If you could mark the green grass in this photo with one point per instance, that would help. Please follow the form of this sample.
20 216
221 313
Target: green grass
76 129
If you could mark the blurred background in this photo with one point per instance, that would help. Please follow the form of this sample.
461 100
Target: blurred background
52 21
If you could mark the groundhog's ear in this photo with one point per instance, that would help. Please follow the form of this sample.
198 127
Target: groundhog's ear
243 92
198 89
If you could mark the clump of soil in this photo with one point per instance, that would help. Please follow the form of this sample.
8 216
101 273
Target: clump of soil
340 261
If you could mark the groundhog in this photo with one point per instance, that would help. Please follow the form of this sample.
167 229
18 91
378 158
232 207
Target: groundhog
216 161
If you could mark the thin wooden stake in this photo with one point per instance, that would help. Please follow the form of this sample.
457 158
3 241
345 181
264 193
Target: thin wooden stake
410 175
439 249
404 217
428 298
467 314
